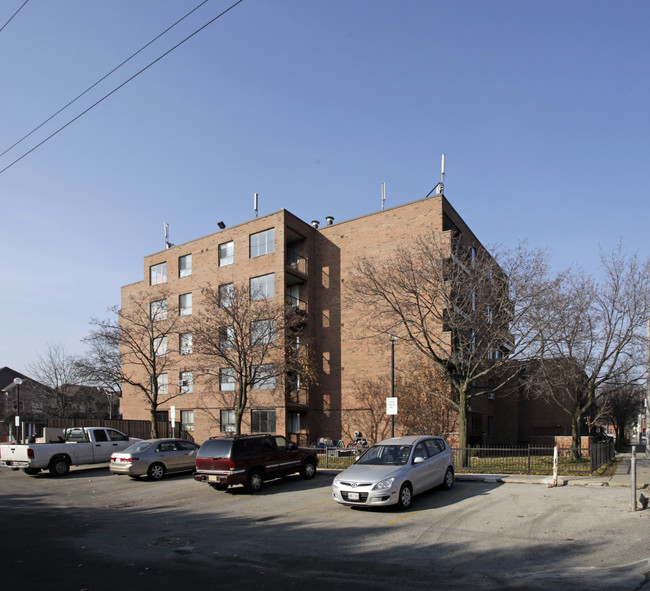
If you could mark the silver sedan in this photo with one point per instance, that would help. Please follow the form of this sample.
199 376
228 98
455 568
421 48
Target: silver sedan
394 470
155 458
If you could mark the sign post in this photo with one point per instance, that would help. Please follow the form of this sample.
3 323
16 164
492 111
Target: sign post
391 409
172 418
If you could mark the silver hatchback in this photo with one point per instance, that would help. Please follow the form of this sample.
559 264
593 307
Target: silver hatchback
155 458
394 470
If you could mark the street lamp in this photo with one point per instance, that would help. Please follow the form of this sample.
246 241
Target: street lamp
19 428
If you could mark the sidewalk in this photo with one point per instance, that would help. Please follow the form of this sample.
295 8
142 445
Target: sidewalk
622 477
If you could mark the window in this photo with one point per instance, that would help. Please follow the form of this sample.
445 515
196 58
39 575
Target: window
434 446
163 384
263 332
473 301
185 304
227 337
159 310
420 451
490 317
226 253
262 243
293 422
226 295
472 252
158 273
100 435
187 420
160 346
262 421
227 378
228 421
185 343
262 287
185 266
186 382
264 377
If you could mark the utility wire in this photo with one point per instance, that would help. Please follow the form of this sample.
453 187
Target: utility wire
13 15
101 79
120 86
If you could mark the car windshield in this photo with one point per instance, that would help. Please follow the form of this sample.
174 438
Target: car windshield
137 447
395 455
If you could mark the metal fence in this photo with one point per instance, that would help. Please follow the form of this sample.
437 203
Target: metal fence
502 460
132 428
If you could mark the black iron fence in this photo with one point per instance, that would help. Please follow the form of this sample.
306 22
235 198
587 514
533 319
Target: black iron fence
533 459
503 460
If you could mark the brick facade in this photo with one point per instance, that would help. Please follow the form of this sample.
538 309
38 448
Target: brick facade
314 264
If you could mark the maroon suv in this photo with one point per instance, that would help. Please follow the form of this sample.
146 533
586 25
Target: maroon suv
250 460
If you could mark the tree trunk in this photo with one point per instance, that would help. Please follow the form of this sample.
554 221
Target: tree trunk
154 423
576 435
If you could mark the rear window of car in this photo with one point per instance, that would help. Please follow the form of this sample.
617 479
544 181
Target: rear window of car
215 448
138 447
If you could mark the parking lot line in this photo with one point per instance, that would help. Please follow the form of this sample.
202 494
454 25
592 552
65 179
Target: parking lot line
446 498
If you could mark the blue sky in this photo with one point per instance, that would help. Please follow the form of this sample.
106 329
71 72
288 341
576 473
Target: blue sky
542 110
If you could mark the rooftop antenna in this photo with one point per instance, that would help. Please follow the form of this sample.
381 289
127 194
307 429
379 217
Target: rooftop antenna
255 203
168 244
439 189
383 196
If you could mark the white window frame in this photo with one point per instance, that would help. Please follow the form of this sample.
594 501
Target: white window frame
186 382
227 380
158 274
262 287
185 265
187 420
185 346
261 418
227 420
227 337
262 243
226 253
264 376
263 332
226 295
158 310
163 383
160 346
185 304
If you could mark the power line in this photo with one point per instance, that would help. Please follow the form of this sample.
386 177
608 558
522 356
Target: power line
120 86
100 80
13 15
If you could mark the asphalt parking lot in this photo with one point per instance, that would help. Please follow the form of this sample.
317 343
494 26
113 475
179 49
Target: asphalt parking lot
97 531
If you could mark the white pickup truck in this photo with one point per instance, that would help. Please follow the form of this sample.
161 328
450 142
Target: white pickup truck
80 445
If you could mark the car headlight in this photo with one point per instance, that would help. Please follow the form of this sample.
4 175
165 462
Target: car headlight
384 484
336 483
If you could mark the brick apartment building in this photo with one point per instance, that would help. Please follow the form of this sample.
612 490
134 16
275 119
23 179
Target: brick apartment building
306 264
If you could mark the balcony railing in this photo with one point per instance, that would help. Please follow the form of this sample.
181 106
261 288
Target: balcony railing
297 263
298 396
298 307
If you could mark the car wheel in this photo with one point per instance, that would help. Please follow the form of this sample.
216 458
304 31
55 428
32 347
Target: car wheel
156 471
219 486
59 466
308 469
31 471
255 481
405 496
448 482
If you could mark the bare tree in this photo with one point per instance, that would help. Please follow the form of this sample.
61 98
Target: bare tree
421 409
620 404
145 331
458 308
370 416
60 372
101 366
244 342
592 334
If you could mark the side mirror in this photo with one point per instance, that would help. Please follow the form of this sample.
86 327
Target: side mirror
418 460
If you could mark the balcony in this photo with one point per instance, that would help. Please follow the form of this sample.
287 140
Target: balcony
297 264
297 396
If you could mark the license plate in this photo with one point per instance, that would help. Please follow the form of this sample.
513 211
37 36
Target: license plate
353 496
212 478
